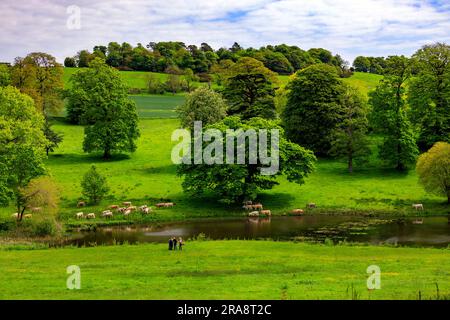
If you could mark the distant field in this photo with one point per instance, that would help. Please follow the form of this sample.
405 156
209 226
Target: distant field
157 106
364 81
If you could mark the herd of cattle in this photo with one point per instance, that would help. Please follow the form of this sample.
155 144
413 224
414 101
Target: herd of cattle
259 211
126 210
256 210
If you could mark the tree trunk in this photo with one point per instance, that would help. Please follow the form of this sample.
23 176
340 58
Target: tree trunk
106 154
350 163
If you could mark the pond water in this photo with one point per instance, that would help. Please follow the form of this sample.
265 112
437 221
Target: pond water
429 231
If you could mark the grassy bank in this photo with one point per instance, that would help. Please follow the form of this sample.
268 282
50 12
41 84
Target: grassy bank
225 270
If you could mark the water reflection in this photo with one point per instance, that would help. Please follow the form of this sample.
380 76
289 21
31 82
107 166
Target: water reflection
431 231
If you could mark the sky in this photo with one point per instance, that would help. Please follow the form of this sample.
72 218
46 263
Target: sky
347 27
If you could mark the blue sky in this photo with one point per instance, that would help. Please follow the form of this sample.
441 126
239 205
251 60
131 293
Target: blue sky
347 27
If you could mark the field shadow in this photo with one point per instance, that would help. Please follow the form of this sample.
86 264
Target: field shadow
71 158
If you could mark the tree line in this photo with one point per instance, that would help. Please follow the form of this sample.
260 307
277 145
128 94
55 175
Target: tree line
175 57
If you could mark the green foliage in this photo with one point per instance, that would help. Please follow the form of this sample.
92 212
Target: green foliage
99 99
94 186
5 76
433 168
235 182
314 107
22 145
249 90
70 62
174 83
429 94
390 118
154 84
349 137
54 138
40 76
204 105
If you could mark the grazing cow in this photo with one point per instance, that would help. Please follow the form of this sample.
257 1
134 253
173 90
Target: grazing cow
107 214
79 215
248 202
146 210
165 204
297 212
28 216
90 216
106 211
253 214
132 208
81 204
127 212
417 206
257 206
36 209
114 206
122 210
247 207
126 203
311 205
266 212
15 215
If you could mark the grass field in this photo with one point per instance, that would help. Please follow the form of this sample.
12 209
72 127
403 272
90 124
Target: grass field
226 270
364 81
157 106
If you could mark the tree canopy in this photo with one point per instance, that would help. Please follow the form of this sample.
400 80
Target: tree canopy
250 89
99 99
203 105
236 182
314 107
22 145
433 168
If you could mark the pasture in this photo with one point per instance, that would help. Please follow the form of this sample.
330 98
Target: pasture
148 175
226 270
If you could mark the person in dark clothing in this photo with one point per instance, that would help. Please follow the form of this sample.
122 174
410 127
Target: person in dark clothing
180 244
174 243
170 244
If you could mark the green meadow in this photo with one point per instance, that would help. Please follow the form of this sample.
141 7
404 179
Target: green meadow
226 270
148 175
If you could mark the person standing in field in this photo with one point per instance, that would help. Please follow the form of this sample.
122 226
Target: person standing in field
180 244
170 244
174 243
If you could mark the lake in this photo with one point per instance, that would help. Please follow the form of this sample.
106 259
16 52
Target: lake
427 231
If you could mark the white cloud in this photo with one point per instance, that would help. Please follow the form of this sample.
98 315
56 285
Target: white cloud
348 27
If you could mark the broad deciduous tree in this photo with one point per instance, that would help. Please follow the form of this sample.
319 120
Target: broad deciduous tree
388 101
203 105
433 168
429 94
349 137
22 145
236 182
99 99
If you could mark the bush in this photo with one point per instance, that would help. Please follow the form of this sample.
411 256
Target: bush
42 228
